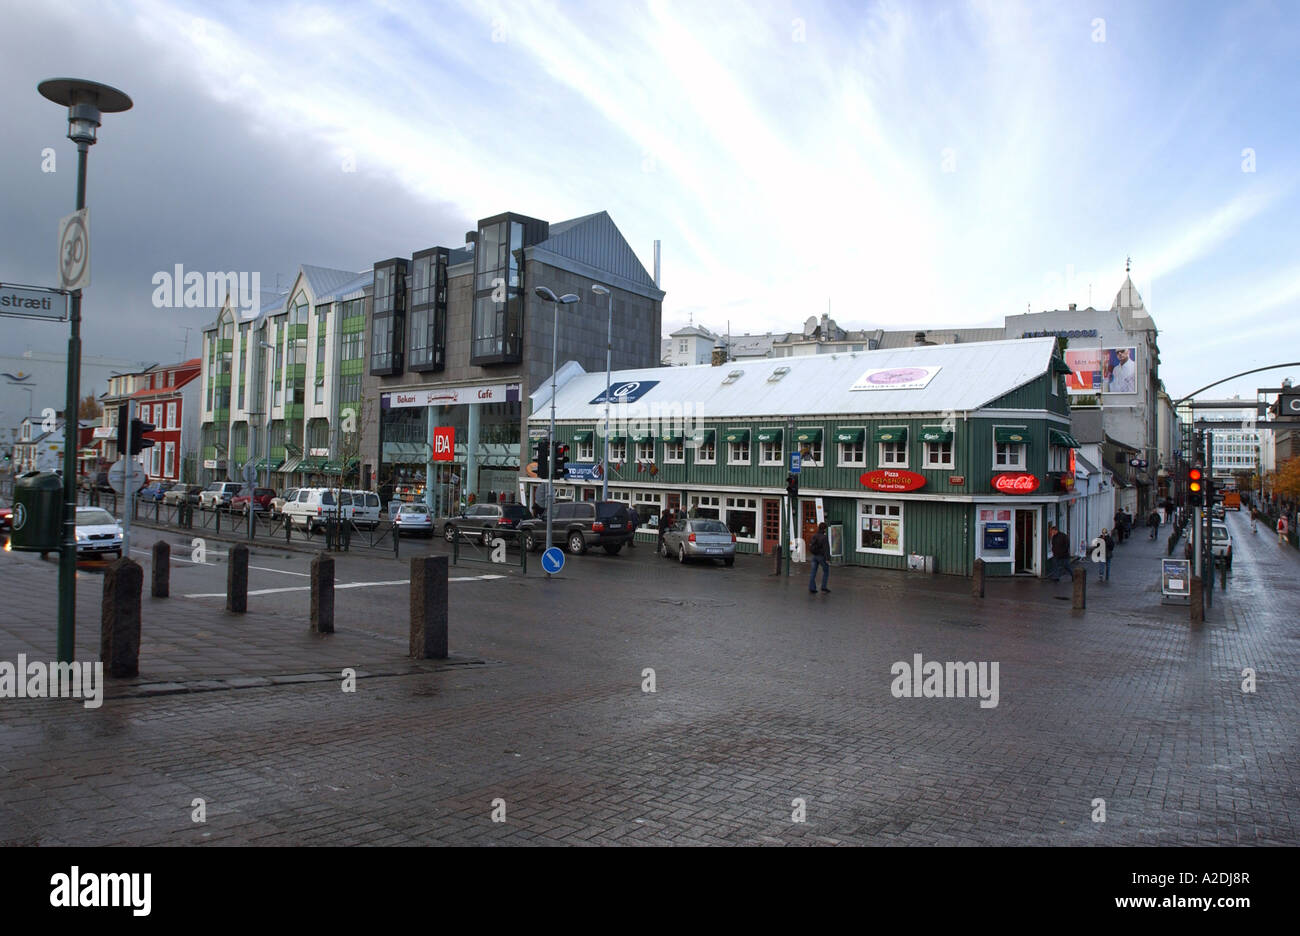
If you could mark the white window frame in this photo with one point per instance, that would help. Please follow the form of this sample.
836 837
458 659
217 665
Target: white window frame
618 451
735 456
154 460
1018 465
675 452
171 416
947 464
749 505
1058 458
711 447
707 501
764 449
169 459
621 496
818 451
841 447
645 451
882 462
876 506
587 451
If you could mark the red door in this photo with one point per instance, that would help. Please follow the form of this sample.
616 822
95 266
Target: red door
808 516
771 524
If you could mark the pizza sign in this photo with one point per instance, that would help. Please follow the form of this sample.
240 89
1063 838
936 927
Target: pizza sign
889 479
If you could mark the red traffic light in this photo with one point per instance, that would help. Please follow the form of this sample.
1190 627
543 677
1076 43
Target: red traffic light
1195 480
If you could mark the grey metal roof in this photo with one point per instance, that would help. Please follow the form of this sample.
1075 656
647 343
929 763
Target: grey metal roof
969 377
355 288
325 280
596 242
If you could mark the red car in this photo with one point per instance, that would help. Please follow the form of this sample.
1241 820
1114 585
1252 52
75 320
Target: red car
261 498
6 518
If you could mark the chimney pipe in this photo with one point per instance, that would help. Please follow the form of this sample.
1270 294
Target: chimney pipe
1073 306
657 265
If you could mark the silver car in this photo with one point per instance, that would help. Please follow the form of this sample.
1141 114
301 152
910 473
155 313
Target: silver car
98 532
414 518
699 538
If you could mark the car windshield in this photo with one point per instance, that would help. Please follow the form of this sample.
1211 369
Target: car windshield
414 509
709 526
1220 533
94 517
515 511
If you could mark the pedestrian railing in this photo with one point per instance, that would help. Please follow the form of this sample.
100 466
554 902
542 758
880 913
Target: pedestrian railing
497 552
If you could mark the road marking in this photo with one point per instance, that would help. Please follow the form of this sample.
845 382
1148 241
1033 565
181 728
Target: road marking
149 552
299 588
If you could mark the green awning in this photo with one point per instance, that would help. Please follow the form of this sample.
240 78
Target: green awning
890 434
583 435
331 467
935 434
737 435
769 435
1062 438
807 436
312 464
1059 366
1014 435
670 437
273 466
642 436
849 436
701 436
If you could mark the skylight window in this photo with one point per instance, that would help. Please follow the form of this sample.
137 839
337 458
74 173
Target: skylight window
733 376
778 374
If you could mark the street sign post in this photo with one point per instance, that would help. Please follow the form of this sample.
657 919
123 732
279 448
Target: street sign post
39 302
796 463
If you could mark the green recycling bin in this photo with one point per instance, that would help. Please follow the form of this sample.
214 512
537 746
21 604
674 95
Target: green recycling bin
38 512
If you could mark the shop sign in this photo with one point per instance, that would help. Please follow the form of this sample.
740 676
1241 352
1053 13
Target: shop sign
582 473
1015 483
895 378
451 396
890 479
444 443
956 480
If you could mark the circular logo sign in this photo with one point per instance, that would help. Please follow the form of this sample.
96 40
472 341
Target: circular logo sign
626 389
898 375
1018 483
20 516
890 479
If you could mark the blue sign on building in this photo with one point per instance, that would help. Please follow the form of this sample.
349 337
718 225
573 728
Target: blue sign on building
628 391
796 463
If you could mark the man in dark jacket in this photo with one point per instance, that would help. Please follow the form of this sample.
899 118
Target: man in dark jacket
1060 543
665 521
819 552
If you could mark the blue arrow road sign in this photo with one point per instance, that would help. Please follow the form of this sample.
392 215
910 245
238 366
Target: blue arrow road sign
553 560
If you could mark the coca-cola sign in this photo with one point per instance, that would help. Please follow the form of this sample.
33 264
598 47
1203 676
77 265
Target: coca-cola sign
891 479
1017 483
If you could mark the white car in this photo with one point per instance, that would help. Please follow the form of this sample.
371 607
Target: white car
218 494
277 503
1221 542
310 508
361 507
414 518
98 532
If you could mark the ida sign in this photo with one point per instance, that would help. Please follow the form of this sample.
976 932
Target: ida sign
444 443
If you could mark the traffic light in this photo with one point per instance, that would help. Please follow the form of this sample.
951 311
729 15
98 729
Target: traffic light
122 427
561 460
138 442
792 485
542 457
1195 487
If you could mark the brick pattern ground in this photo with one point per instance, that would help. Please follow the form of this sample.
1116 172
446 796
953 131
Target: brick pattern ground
765 694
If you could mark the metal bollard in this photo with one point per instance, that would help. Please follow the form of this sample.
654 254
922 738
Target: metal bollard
322 594
429 608
1197 600
237 579
162 570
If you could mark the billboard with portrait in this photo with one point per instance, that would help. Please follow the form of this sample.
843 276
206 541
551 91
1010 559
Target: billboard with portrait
1101 370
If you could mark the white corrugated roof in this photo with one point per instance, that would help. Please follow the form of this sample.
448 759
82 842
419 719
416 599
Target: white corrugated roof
969 376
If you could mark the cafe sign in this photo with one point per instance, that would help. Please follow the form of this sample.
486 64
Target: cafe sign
889 479
1015 483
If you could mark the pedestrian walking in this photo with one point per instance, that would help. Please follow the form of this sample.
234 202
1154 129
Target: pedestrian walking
1119 526
1281 530
1254 520
1169 510
1153 522
819 551
634 519
1060 543
1100 551
665 521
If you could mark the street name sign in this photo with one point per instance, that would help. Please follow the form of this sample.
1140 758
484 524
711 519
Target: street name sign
33 302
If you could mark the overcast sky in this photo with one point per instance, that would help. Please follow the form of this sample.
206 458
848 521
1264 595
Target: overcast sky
904 164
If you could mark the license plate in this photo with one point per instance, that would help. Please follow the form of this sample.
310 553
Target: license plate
714 549
616 526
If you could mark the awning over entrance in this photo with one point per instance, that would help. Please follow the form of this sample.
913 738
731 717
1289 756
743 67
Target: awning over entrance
315 463
1058 437
292 464
850 436
890 434
935 434
808 436
1011 435
769 435
736 435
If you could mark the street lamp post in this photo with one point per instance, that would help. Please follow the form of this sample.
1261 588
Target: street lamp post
609 354
266 411
85 101
546 295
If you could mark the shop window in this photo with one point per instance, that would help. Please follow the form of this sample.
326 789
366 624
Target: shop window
704 505
742 518
939 454
893 454
880 527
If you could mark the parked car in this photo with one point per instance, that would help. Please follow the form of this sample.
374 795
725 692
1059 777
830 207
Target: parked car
154 491
98 532
311 508
1221 543
260 497
361 507
182 494
699 538
580 525
218 494
1217 512
6 518
413 518
277 503
485 522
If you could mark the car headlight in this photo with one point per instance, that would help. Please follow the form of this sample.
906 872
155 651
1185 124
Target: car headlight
81 537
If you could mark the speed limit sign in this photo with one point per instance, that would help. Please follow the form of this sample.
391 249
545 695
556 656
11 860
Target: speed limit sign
74 250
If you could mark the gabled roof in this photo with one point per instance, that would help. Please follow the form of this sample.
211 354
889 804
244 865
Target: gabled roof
354 288
1128 298
597 246
687 331
968 377
326 280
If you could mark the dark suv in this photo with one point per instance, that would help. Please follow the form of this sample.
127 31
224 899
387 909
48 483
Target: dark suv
580 525
485 522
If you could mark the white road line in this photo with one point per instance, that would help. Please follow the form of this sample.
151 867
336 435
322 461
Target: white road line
149 552
298 588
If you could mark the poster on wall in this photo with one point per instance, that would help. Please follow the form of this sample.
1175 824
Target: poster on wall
1101 370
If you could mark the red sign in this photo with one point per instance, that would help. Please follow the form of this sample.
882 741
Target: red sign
444 443
892 479
1019 483
956 480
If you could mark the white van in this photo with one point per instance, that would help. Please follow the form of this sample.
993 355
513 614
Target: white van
361 507
310 508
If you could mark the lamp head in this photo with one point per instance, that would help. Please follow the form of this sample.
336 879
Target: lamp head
86 101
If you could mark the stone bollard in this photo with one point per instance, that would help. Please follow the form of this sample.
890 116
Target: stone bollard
322 594
1197 600
977 580
429 607
1080 588
237 579
162 570
776 556
119 622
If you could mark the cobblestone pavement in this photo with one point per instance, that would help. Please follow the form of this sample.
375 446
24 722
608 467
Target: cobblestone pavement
765 695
